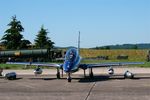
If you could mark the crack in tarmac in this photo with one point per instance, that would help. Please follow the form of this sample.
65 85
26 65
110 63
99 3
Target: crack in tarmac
90 91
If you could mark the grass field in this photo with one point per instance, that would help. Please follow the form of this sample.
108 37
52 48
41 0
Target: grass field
10 66
133 55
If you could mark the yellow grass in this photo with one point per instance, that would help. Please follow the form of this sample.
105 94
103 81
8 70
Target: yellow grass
136 55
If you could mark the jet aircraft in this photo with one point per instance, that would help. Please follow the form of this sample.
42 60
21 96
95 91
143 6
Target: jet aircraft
72 63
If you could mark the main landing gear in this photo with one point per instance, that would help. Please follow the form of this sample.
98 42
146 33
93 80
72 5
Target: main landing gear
91 73
84 73
58 73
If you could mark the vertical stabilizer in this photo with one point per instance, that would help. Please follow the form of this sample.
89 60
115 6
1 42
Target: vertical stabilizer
79 43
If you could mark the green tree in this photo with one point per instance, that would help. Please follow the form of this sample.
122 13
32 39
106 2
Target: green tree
13 38
24 44
107 47
42 41
135 46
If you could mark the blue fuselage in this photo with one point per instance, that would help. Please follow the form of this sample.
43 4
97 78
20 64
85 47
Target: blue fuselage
72 60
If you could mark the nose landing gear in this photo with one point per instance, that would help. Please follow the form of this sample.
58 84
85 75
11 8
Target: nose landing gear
69 78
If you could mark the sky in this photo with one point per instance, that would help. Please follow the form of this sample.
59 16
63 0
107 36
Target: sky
100 22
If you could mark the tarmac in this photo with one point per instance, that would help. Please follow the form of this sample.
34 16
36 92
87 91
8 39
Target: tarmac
101 87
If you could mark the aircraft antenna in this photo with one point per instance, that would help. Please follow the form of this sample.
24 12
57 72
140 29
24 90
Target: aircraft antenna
79 43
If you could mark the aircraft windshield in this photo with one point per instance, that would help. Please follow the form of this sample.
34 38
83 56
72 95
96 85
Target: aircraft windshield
70 56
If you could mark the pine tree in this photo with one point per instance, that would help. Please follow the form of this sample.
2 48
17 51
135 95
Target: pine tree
13 37
42 41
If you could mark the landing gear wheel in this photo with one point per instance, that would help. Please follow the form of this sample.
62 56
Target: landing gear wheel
58 75
69 79
91 73
84 74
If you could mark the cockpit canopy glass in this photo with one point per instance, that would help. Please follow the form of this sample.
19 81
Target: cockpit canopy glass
71 55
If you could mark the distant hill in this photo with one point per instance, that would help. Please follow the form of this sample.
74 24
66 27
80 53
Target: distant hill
126 46
56 47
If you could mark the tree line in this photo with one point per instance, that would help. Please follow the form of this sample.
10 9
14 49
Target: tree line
13 39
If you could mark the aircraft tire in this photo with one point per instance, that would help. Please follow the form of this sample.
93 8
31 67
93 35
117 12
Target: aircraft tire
58 75
69 79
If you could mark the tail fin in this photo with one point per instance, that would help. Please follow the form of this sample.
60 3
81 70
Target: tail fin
79 43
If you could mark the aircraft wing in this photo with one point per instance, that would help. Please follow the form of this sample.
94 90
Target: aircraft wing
85 66
36 64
